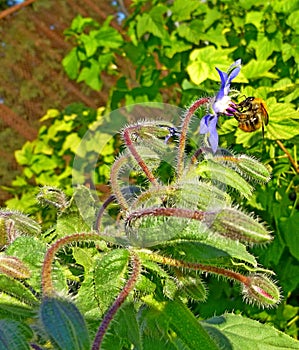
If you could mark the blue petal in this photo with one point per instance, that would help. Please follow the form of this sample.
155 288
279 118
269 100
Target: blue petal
213 138
234 70
226 78
223 77
204 124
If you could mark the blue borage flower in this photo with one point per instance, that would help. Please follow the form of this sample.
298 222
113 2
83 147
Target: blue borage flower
221 104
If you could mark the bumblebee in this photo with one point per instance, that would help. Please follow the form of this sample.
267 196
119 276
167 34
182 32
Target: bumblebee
252 114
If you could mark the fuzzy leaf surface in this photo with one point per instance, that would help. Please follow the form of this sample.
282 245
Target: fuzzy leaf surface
239 333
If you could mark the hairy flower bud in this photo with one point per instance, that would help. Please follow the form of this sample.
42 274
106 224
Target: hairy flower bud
235 224
261 290
49 195
13 224
13 267
253 168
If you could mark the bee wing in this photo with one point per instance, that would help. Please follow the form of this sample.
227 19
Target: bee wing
265 114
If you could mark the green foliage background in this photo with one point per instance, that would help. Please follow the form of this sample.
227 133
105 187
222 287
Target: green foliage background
167 52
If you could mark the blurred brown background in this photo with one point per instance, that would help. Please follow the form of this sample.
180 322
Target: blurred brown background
32 47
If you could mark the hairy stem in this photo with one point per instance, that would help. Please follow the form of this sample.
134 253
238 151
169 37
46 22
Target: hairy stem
47 282
183 136
174 212
136 268
114 181
197 266
100 213
129 143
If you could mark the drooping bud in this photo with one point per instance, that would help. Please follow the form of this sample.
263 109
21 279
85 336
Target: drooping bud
261 290
247 166
253 168
14 223
53 196
235 224
13 267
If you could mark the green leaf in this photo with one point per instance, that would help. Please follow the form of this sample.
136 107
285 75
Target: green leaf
173 316
51 114
86 204
12 308
103 282
215 35
152 22
284 129
127 326
17 290
209 249
24 156
70 221
292 21
191 31
91 75
254 17
182 10
90 44
217 172
57 128
105 60
107 37
43 163
64 324
109 274
71 143
71 64
287 51
203 62
240 333
192 287
258 69
79 23
32 251
290 226
263 48
14 335
212 16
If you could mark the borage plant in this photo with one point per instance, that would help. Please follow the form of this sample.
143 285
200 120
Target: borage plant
142 255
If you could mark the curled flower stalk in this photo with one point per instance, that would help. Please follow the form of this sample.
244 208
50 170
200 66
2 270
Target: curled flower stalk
257 288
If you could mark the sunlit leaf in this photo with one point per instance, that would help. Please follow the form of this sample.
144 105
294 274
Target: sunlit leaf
243 333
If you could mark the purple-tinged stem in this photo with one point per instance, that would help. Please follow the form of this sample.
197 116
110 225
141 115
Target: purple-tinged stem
183 136
173 212
114 181
47 282
136 155
202 267
35 347
136 268
100 213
